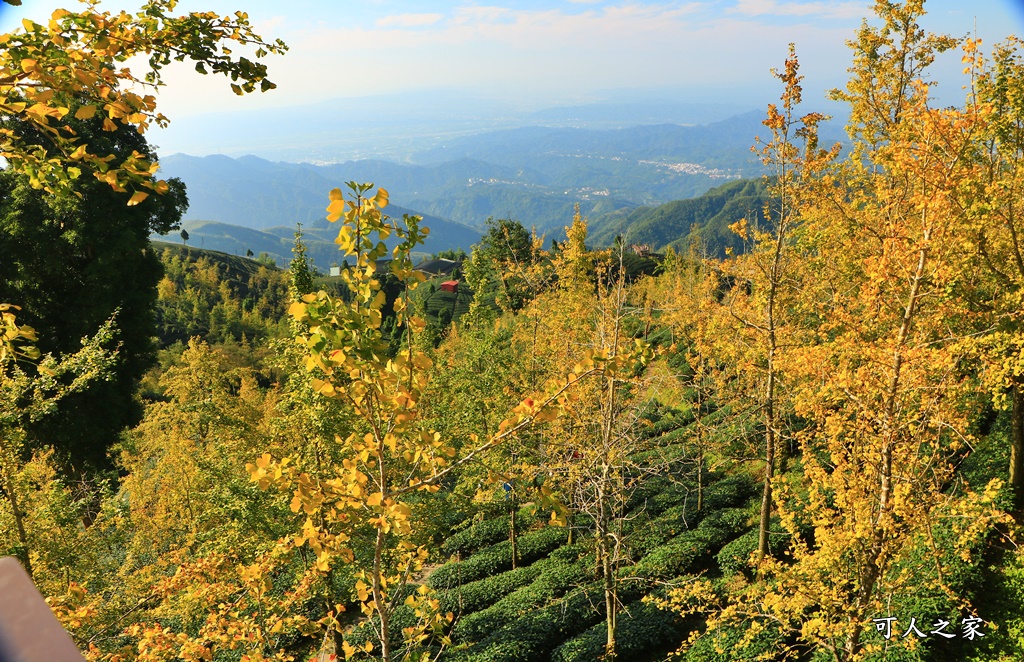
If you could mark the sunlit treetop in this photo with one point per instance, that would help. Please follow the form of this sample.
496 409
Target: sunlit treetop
73 65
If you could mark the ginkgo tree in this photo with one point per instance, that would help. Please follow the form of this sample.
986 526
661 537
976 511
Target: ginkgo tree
757 311
26 397
76 59
996 230
875 523
364 510
587 457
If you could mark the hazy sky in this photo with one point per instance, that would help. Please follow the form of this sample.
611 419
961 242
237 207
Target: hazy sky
535 54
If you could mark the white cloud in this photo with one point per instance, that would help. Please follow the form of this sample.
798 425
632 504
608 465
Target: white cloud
409 20
270 25
545 52
543 55
471 14
847 9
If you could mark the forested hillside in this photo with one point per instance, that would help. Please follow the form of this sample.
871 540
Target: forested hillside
276 243
700 223
218 297
793 431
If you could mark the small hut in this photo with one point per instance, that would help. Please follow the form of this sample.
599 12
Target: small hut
450 286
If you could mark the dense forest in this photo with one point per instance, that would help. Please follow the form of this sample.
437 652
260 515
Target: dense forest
799 435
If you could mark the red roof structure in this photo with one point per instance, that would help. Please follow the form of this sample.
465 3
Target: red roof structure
450 286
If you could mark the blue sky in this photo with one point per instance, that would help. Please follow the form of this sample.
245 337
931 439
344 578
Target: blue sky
533 54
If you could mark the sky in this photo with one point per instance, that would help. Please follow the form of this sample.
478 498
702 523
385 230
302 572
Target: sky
532 54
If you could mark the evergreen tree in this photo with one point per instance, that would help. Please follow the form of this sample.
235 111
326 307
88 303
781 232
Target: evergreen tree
496 267
71 263
301 274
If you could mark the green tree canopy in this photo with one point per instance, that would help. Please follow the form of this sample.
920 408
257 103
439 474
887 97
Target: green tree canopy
74 259
498 263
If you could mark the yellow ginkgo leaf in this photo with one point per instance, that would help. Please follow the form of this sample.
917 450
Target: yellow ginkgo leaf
85 112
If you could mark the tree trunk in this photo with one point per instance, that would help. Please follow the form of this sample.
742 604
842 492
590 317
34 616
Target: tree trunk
769 467
700 477
766 499
512 536
379 600
775 279
19 521
1017 449
611 605
606 567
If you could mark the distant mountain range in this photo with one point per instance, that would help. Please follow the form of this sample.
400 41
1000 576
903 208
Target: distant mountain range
532 174
245 203
395 126
238 241
702 222
635 181
724 144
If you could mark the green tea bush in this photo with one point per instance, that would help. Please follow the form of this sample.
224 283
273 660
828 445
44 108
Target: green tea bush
667 450
643 535
570 553
1001 601
480 594
734 557
402 617
498 558
536 633
657 494
724 645
485 533
533 634
554 580
642 628
728 492
682 554
674 419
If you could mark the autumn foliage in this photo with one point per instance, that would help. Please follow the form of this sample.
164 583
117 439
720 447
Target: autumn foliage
756 457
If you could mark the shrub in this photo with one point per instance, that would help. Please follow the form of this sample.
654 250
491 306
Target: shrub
366 630
735 556
485 533
667 449
535 634
642 628
657 494
724 644
570 553
681 554
478 595
728 492
498 558
643 535
554 580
